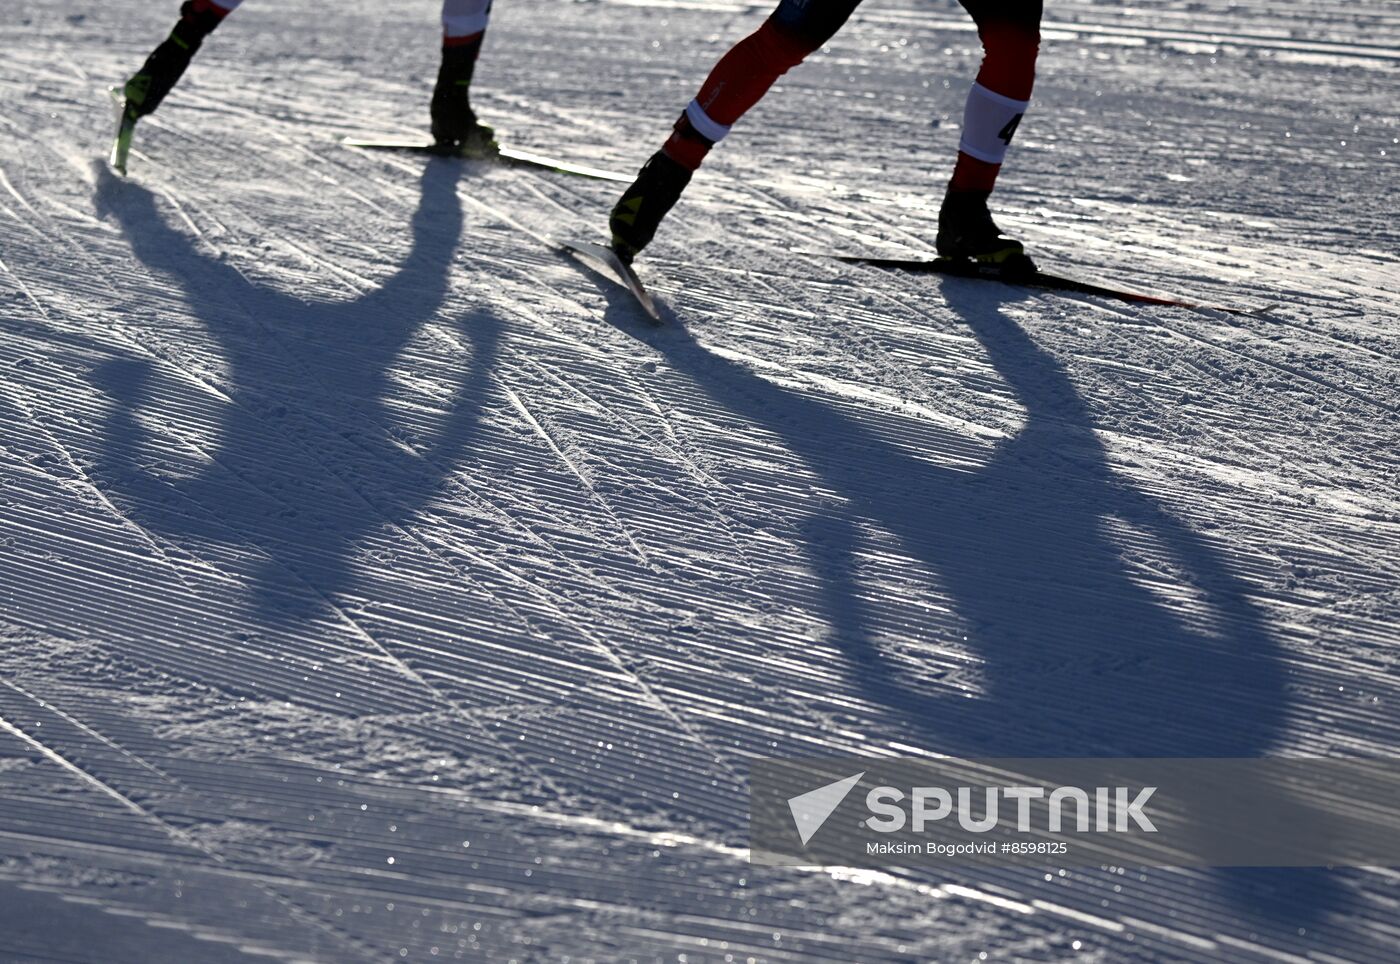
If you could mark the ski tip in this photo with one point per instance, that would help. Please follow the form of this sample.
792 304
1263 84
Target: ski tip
605 261
869 259
121 146
512 155
498 154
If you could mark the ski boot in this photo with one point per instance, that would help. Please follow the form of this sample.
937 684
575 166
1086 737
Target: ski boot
143 93
967 233
639 211
456 130
146 89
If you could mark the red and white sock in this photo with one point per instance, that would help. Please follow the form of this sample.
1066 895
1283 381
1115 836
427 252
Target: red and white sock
736 83
996 103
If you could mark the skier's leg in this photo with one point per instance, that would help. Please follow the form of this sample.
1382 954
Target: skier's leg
753 65
148 87
737 82
454 122
1010 34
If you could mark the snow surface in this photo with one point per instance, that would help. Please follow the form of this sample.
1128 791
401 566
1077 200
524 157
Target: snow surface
375 584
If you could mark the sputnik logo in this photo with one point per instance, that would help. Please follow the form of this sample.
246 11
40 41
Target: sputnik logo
811 809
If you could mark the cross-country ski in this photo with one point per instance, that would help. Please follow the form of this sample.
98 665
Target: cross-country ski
1033 278
126 132
823 481
605 261
505 155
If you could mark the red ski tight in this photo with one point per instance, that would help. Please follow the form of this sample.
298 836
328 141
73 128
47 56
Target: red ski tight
1010 35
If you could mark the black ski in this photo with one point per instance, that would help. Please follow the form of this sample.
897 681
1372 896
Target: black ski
505 155
1037 279
604 261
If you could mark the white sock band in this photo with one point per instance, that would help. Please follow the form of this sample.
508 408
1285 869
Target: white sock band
989 122
702 123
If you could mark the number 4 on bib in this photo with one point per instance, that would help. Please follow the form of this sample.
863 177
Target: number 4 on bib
1009 131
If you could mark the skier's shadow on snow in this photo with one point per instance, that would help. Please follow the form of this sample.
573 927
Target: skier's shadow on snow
303 461
1078 657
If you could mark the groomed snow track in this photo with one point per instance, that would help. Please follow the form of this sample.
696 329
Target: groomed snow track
375 585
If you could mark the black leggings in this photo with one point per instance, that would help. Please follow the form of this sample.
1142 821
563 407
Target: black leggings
817 21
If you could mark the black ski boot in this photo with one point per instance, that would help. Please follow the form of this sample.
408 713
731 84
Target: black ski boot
164 67
966 232
455 127
638 213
